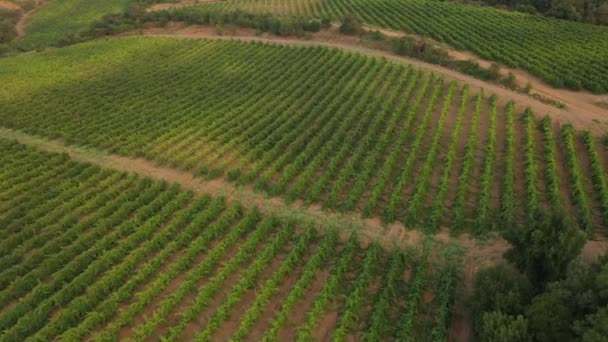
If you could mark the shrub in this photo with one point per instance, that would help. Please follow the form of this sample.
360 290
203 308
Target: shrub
498 327
550 318
499 288
350 25
543 249
595 326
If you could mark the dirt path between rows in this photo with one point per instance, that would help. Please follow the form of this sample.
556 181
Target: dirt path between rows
584 110
477 253
392 236
25 18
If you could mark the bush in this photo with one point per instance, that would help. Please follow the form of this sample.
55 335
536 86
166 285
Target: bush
471 67
550 318
543 249
312 26
499 288
595 326
350 25
498 327
509 81
494 71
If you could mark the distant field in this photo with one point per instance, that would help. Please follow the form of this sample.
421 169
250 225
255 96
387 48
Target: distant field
95 254
59 18
350 132
564 53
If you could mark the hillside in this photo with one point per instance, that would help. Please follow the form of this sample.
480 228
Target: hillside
129 238
358 133
310 170
563 53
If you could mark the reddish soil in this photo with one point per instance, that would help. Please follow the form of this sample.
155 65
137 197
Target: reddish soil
7 5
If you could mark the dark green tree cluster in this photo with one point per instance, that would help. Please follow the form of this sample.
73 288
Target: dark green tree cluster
546 293
588 11
8 20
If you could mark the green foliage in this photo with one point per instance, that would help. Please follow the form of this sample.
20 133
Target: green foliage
542 250
350 25
501 288
499 327
550 318
8 20
548 48
49 25
118 252
595 326
350 132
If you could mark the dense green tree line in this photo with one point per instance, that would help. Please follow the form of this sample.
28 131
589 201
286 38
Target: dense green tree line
588 11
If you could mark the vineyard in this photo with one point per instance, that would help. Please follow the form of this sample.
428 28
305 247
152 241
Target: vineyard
350 132
563 53
95 254
49 24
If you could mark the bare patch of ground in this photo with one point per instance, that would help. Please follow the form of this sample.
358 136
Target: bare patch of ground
7 5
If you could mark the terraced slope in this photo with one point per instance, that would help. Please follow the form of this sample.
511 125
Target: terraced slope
350 132
95 254
563 53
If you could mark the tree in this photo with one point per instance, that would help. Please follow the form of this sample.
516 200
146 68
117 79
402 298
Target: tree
499 327
543 249
601 15
350 25
499 288
595 326
550 318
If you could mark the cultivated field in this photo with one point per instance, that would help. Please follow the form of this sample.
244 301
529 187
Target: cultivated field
563 53
58 19
95 254
352 133
237 171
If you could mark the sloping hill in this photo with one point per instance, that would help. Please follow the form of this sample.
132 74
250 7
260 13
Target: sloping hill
350 132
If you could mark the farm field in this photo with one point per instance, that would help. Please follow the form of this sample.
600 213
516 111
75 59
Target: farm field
349 132
57 19
247 170
563 53
94 254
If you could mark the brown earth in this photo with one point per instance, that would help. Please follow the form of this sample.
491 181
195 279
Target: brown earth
7 5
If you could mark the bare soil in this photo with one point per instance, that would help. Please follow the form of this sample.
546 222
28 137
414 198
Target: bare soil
7 5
